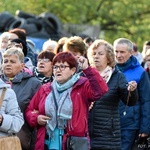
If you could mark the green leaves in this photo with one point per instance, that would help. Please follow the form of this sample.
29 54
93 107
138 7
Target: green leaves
116 18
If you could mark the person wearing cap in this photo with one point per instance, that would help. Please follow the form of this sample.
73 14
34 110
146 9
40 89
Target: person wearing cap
18 33
20 43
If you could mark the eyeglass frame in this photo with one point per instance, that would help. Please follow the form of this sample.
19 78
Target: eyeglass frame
44 60
61 67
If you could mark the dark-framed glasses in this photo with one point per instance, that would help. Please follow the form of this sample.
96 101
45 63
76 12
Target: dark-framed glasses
43 60
61 67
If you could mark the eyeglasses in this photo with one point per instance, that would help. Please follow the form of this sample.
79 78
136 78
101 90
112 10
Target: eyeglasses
44 60
61 67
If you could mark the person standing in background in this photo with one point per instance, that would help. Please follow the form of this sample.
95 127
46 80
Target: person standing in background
49 45
104 120
44 71
135 122
146 46
18 33
146 61
59 47
3 45
137 54
77 47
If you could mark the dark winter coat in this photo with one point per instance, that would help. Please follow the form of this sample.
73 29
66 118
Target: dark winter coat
25 86
104 120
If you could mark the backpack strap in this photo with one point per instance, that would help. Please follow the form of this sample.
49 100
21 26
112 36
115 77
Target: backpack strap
2 96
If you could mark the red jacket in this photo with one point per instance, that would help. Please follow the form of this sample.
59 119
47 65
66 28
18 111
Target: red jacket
85 90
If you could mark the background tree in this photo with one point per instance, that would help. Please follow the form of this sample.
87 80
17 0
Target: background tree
117 18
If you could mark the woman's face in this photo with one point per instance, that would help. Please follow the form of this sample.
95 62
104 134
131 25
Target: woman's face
63 72
12 66
44 66
99 56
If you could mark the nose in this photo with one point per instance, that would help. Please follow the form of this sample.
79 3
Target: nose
118 54
96 55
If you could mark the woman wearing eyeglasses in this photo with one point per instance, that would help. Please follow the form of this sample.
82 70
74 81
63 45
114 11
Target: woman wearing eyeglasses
60 109
44 71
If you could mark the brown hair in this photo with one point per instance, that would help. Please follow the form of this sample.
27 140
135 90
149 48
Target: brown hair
46 54
75 44
21 33
65 57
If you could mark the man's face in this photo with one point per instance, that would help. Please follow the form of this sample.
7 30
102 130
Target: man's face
122 53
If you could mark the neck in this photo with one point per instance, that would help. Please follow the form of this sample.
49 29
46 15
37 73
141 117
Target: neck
100 68
47 74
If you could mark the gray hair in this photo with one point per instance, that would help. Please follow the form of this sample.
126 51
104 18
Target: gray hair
124 41
14 51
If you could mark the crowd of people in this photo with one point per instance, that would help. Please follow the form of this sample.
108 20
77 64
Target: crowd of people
76 94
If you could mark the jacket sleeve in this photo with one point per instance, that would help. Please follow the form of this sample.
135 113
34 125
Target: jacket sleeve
12 116
144 98
32 110
95 86
127 98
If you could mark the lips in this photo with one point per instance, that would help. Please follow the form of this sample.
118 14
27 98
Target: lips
58 75
96 61
41 67
7 68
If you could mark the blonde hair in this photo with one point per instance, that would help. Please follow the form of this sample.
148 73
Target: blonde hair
75 44
108 48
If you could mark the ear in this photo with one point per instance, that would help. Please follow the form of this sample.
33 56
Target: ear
22 66
73 70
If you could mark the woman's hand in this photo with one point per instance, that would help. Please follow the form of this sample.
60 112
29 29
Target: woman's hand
42 120
132 85
83 62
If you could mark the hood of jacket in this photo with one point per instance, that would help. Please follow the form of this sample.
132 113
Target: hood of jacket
3 84
18 78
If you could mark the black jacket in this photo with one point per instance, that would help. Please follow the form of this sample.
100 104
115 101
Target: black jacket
104 122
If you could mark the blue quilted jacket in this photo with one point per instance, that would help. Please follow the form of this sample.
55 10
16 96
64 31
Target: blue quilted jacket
137 116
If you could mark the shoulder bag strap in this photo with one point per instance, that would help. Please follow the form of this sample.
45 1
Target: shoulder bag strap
2 96
54 98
